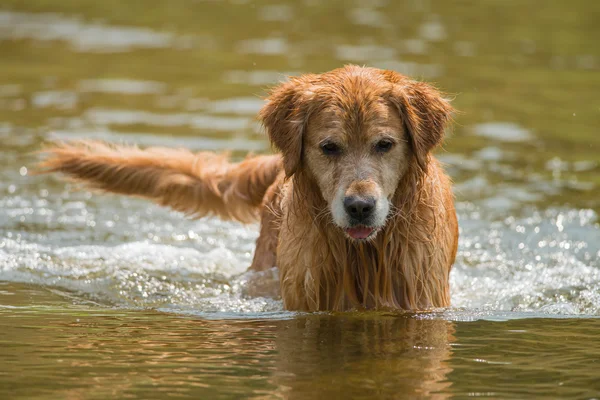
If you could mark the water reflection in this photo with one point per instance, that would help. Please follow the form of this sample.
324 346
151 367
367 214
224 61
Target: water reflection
120 353
257 77
503 131
123 86
110 117
356 356
81 35
55 344
241 145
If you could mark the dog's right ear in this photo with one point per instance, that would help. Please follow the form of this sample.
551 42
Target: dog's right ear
284 117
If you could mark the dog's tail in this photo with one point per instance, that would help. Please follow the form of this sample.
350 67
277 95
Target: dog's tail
196 184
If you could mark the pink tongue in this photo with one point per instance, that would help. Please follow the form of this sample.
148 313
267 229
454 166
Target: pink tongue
360 232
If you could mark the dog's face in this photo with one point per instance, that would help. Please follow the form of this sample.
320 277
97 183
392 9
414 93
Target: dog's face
357 164
355 131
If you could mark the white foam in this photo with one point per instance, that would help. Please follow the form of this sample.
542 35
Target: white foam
547 262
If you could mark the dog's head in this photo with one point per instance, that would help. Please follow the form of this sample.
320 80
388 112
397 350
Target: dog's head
355 130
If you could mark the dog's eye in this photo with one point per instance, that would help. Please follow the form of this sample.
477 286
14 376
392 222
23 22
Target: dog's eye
330 149
383 146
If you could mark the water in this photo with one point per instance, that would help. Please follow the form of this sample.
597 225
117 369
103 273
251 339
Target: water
106 296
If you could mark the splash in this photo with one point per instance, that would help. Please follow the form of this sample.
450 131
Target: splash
547 262
126 253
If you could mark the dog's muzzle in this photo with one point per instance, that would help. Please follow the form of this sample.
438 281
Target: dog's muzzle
360 211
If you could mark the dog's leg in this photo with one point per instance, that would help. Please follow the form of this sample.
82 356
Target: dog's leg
263 279
265 255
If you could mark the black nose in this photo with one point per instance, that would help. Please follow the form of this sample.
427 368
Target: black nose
359 208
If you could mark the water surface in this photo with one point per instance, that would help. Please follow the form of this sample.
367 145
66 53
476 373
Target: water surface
106 296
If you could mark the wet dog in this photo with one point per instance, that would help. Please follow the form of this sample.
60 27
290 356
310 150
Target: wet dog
355 211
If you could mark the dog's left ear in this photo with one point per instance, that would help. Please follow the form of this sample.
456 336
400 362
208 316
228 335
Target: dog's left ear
424 113
285 116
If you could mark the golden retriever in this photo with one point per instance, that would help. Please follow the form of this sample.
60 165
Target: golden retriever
356 213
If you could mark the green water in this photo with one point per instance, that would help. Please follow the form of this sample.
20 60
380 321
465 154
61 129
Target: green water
55 349
108 297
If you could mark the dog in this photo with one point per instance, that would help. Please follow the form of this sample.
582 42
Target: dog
355 211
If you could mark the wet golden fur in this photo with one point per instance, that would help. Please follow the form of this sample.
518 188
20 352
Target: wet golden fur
404 264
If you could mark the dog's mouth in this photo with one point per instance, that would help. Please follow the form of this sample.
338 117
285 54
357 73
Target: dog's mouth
360 232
